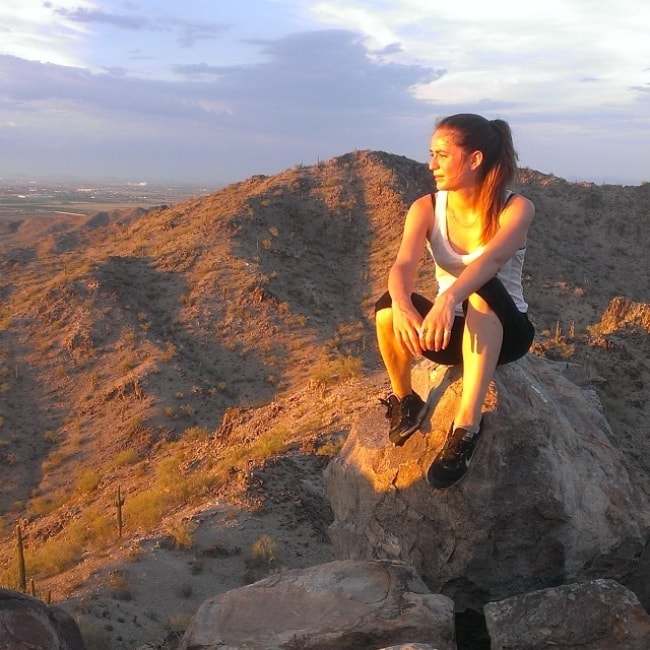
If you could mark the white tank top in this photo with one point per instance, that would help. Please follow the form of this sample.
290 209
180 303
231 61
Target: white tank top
450 264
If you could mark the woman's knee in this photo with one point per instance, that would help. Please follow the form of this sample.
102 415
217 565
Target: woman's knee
478 304
384 319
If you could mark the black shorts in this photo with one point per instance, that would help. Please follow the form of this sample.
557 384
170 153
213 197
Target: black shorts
518 331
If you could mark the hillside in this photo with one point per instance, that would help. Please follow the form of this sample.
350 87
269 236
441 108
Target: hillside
208 358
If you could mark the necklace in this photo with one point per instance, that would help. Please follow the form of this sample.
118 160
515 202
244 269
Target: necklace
452 213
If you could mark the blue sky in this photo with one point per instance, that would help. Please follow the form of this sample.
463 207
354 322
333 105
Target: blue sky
214 91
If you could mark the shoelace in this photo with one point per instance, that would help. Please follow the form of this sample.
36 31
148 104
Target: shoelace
457 446
389 407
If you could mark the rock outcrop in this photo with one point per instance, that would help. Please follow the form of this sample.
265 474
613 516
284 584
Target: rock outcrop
333 606
546 536
595 615
29 624
547 501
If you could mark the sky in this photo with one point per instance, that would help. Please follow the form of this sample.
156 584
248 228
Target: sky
215 91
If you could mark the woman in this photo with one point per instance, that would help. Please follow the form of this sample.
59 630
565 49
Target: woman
475 230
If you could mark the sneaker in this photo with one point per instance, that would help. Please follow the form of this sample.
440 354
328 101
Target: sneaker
451 463
405 416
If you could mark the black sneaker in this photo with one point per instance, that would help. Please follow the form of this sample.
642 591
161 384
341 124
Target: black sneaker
404 416
451 463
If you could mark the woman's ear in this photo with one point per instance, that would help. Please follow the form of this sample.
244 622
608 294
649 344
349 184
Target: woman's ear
476 159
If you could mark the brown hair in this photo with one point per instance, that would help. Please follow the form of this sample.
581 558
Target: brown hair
499 167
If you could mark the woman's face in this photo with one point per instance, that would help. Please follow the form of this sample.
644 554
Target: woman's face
451 166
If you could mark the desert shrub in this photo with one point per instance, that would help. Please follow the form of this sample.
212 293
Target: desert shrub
171 480
125 457
181 533
195 433
135 424
331 447
187 410
146 509
42 505
270 443
93 529
173 486
61 372
339 368
51 436
128 336
263 552
128 363
116 579
53 556
9 578
88 481
9 459
177 623
262 559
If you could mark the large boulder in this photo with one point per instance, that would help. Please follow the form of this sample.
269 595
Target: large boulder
595 615
547 500
29 624
333 606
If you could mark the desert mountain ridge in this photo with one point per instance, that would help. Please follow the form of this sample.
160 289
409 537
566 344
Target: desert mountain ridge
207 359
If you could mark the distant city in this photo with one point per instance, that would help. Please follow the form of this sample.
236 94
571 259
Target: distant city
26 198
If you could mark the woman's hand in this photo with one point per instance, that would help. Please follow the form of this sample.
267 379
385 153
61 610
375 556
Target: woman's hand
406 325
435 330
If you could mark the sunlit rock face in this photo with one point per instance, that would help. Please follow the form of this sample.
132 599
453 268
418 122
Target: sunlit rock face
547 499
332 606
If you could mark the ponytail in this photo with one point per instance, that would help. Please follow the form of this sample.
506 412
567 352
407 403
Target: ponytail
499 167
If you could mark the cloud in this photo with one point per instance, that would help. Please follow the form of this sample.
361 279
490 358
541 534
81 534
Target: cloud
123 21
313 94
45 89
328 74
390 49
191 33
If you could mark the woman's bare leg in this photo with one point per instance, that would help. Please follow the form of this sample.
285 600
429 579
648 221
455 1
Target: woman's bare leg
397 360
482 340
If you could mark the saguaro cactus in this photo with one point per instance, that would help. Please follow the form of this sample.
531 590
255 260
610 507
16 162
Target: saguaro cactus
119 502
22 578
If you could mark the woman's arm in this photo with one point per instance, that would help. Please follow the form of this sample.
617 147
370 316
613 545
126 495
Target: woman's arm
401 279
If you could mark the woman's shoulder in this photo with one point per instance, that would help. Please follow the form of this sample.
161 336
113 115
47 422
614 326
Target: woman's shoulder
421 212
519 202
518 209
424 204
426 199
516 197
